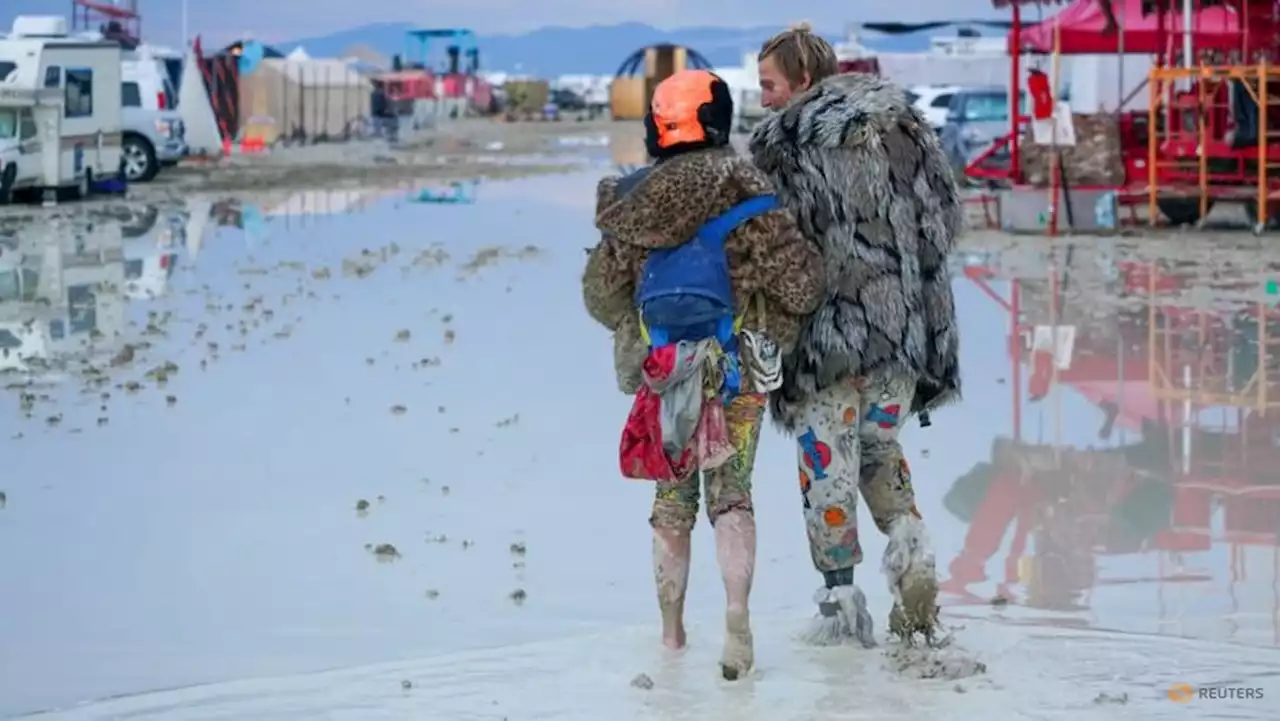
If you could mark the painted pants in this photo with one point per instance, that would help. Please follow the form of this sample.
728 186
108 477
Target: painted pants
728 487
848 444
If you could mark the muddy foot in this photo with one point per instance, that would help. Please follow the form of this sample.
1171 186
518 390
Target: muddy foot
739 647
918 612
910 568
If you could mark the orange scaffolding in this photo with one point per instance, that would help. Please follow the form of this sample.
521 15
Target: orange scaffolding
1190 162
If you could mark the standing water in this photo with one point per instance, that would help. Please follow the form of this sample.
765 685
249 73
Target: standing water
363 465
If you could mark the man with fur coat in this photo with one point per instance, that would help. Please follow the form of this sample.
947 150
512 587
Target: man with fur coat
776 280
866 179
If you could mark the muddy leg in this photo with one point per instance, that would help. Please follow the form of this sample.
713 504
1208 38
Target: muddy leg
674 512
736 553
885 481
732 515
829 452
671 551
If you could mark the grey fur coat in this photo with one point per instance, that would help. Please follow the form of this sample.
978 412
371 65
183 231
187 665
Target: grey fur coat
867 180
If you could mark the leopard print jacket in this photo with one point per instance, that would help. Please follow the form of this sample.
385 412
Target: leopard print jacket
777 274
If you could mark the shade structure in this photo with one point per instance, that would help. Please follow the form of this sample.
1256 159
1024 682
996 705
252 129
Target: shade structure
1083 23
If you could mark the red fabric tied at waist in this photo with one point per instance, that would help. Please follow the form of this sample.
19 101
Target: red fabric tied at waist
641 454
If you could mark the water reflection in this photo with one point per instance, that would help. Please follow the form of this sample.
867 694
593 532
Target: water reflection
458 193
60 290
301 209
1169 498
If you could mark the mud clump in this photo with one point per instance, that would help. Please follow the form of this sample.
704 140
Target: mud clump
124 356
362 506
518 596
386 552
519 549
642 682
490 256
1111 699
932 663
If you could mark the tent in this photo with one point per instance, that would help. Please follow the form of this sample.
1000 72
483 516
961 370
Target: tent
296 99
1083 22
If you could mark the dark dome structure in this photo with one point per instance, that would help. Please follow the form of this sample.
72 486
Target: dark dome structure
634 64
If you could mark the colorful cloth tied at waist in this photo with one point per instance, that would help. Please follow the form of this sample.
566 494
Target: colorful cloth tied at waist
677 424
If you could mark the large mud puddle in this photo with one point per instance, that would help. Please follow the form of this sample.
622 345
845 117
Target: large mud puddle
258 438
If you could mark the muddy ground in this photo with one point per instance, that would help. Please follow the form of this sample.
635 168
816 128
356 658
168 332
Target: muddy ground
462 150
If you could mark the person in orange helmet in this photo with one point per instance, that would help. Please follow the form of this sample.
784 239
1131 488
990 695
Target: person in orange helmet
704 281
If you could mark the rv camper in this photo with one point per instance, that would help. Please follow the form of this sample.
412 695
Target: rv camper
60 124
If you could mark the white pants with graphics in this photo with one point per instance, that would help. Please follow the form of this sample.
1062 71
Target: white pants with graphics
848 444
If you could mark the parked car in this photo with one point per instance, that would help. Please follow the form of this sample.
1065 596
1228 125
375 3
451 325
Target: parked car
933 101
976 117
566 99
154 135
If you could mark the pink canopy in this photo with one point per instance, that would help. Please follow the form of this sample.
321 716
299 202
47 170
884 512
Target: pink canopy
1083 23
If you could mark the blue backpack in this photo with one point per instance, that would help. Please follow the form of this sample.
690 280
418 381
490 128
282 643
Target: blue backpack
686 293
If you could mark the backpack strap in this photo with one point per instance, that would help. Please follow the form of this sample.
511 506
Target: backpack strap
720 227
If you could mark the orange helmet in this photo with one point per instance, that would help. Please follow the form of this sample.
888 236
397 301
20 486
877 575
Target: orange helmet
692 108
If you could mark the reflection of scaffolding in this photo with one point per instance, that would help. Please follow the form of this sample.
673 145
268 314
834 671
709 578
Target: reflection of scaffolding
1213 484
1197 356
1213 371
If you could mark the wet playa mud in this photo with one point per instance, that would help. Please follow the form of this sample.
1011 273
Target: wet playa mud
374 431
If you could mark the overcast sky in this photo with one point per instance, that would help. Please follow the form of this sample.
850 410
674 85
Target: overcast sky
274 20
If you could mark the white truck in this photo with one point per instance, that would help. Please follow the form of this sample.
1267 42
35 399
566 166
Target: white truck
60 109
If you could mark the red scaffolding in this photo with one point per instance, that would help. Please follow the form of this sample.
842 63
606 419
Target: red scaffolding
118 18
1221 32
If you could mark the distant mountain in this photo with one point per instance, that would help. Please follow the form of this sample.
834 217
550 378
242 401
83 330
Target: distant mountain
598 49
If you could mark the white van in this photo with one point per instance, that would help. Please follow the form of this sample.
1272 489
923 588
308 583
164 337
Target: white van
60 119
